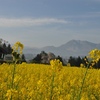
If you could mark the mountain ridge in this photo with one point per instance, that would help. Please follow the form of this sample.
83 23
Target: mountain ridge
71 48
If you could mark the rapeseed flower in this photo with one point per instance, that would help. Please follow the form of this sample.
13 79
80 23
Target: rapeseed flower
94 55
17 50
56 64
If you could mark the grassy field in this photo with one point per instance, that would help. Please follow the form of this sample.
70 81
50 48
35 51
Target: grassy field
43 82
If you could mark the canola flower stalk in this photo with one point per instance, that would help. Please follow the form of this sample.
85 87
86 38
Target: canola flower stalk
92 58
17 51
83 81
56 66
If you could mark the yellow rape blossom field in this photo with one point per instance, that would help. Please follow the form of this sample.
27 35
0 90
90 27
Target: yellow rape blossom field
48 82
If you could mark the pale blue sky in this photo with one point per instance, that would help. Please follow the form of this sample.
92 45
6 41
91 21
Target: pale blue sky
39 23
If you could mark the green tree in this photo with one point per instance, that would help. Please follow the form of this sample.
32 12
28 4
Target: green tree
9 49
37 59
78 61
1 41
72 61
23 58
4 46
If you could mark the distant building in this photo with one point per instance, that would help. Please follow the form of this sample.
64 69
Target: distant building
2 52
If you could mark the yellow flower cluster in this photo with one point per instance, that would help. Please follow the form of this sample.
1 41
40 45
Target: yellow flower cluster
33 82
17 50
56 64
94 55
18 47
11 92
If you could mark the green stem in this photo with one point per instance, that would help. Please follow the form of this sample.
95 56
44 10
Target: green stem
52 86
13 75
79 96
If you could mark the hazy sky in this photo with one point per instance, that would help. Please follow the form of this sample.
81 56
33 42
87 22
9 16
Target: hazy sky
38 23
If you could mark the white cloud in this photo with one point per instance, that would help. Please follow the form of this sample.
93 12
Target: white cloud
9 22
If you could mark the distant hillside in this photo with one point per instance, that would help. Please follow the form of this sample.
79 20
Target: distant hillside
71 48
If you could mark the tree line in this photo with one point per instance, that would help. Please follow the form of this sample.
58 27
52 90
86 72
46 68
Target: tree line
82 62
44 58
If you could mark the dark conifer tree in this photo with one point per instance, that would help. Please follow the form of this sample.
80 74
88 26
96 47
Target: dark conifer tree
37 59
78 61
4 46
9 49
72 61
23 58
